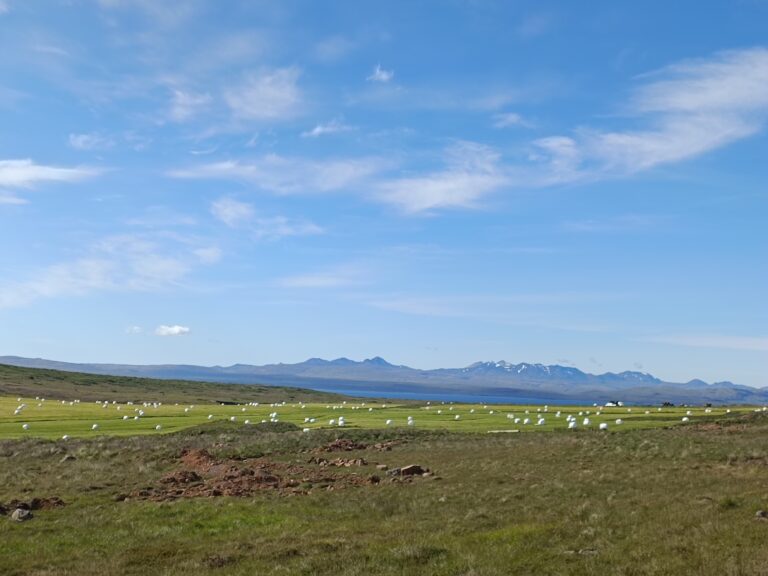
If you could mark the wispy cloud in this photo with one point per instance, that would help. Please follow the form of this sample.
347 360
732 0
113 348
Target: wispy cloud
333 48
336 277
186 105
232 212
119 263
286 175
509 119
134 330
50 49
726 342
534 25
26 174
171 330
690 108
268 95
90 141
472 171
10 198
332 127
237 214
4 7
276 227
381 75
621 223
550 310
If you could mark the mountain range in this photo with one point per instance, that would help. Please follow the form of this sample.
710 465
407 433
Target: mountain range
490 381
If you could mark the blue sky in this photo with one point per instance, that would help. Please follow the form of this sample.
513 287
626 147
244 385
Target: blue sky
433 182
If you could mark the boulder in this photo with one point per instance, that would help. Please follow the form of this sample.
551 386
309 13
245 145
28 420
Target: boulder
412 470
21 515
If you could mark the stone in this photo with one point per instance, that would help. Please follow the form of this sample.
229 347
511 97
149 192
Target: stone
412 470
381 466
761 515
21 515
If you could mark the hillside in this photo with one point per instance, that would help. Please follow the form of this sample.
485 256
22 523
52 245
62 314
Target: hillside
496 381
55 384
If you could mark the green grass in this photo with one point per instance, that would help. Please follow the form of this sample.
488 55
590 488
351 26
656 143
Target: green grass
675 500
54 418
55 384
652 496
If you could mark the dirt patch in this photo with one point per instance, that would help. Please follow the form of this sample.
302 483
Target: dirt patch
202 475
338 462
33 504
346 445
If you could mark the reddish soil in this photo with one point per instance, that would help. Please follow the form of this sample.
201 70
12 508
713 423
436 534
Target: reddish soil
33 504
202 475
345 445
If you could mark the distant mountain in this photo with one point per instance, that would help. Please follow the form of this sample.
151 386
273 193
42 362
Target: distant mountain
500 380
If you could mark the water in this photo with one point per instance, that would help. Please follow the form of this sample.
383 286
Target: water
458 397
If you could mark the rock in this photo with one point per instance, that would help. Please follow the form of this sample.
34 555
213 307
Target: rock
393 472
412 470
21 515
381 466
67 458
761 515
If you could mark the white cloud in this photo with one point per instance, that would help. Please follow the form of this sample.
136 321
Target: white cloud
232 212
535 25
134 330
174 330
266 95
748 343
621 223
50 49
332 49
120 263
90 141
12 199
235 214
381 75
690 108
186 105
26 174
332 127
285 175
278 227
340 276
4 7
472 171
509 119
208 255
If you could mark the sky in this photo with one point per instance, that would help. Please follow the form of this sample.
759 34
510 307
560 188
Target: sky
434 182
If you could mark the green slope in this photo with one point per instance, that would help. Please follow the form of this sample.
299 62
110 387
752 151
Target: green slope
54 384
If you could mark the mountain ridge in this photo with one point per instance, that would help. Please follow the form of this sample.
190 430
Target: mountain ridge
377 375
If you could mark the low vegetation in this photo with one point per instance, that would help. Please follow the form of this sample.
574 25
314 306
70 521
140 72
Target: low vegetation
222 497
55 384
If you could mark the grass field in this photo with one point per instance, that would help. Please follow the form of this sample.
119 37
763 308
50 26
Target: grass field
55 418
653 495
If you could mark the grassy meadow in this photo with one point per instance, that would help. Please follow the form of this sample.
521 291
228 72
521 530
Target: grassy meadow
651 496
48 418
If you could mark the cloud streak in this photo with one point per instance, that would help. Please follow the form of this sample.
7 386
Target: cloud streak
723 342
289 175
268 95
172 330
119 263
27 174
